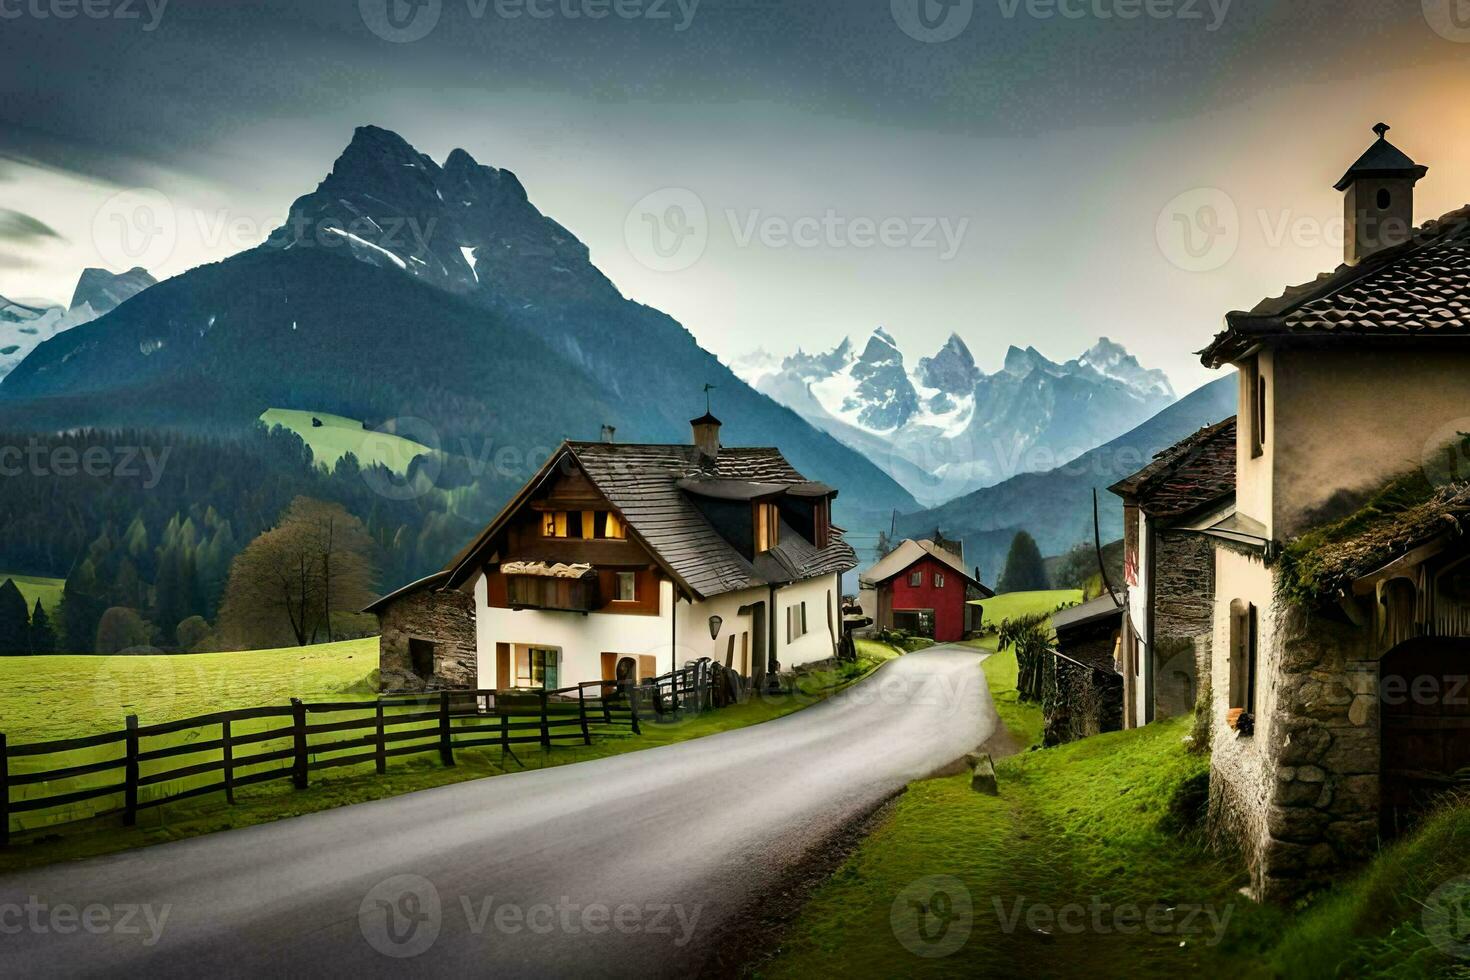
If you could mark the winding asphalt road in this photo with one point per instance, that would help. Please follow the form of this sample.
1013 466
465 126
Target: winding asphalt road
617 867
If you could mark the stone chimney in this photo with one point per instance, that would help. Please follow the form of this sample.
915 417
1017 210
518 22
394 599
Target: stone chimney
1379 199
609 433
707 435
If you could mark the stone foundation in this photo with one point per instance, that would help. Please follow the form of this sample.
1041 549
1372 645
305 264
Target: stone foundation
1299 797
445 619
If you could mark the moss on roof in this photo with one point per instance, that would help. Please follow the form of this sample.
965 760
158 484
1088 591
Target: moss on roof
1404 514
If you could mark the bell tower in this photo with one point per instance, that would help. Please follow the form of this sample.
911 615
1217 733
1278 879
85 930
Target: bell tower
1379 198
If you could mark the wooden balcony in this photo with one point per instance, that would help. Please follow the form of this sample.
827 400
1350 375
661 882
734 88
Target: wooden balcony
552 594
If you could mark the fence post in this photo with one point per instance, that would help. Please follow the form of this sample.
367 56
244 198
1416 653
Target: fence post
446 743
674 692
602 696
130 775
582 711
633 708
381 760
4 793
504 732
298 725
228 751
545 723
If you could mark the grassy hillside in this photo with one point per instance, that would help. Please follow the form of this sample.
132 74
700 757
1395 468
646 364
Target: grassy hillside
338 435
1014 604
34 587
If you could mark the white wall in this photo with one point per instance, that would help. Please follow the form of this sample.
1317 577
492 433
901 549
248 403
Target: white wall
1237 576
583 639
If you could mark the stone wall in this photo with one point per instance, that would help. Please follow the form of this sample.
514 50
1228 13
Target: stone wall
1184 592
1299 797
446 619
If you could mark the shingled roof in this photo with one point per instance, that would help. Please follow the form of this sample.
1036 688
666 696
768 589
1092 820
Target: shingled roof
1418 289
643 483
1192 474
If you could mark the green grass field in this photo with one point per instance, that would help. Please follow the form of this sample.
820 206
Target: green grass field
47 698
34 587
337 436
1015 604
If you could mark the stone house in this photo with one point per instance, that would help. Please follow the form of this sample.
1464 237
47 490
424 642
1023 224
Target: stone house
1342 577
620 561
1169 571
1081 684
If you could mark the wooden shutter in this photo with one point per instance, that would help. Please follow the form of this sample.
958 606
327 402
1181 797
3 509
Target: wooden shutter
503 677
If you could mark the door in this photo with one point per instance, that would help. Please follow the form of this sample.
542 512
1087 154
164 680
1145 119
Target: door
1424 705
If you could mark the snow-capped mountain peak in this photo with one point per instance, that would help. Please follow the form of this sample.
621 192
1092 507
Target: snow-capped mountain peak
946 427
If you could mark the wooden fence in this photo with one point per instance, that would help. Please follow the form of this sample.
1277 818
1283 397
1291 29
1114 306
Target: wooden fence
258 745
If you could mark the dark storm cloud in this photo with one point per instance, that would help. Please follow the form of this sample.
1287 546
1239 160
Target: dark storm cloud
101 96
18 227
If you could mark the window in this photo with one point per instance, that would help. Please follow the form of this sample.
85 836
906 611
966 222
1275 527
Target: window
536 667
1254 397
939 580
795 622
584 524
627 587
1243 652
1384 199
767 527
916 579
421 656
822 523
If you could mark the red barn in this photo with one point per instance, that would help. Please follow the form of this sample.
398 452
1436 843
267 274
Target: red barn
924 589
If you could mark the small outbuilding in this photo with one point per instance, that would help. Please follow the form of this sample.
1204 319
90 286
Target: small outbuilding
925 590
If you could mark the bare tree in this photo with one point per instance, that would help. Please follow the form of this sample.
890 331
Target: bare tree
287 582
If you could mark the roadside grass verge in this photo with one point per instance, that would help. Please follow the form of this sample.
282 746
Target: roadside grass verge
1384 922
352 784
1076 828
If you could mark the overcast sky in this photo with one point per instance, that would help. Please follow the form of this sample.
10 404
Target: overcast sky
1016 171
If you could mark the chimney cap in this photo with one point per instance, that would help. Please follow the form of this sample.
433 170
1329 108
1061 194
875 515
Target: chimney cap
706 419
1382 159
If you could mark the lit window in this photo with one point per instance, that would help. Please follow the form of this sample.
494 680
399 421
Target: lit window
613 527
554 524
767 527
627 587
